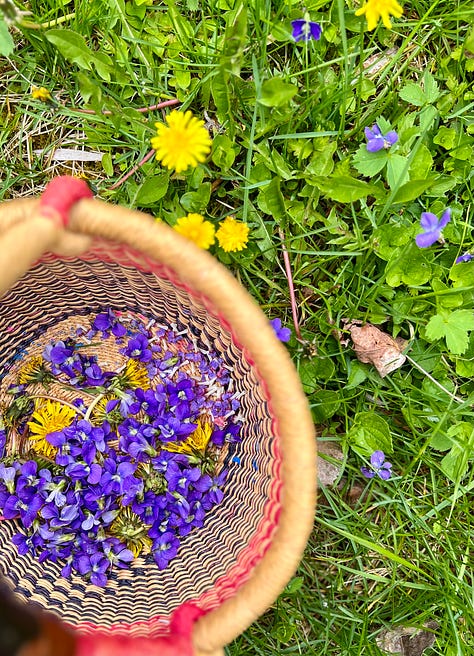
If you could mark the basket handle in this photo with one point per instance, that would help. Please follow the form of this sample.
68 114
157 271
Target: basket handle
26 238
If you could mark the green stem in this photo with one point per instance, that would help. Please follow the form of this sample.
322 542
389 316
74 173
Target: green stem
92 405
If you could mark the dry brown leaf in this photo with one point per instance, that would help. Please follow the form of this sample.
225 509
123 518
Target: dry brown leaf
373 346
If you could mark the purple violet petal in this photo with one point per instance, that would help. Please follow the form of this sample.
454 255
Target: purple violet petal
391 137
377 459
426 239
429 221
445 219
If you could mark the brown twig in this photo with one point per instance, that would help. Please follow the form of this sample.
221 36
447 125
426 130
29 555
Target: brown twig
142 110
132 170
291 288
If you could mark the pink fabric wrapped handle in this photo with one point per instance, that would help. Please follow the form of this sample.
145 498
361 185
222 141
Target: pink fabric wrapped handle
178 643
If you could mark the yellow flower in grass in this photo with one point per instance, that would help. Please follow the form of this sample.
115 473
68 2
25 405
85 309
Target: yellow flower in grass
195 228
376 9
41 93
49 417
184 142
232 235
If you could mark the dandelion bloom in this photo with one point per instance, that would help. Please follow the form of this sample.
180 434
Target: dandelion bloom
376 140
184 142
376 9
50 417
431 228
41 93
232 235
195 228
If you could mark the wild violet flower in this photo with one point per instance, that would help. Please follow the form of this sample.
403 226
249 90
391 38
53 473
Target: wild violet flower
376 140
432 227
304 29
465 257
378 466
283 334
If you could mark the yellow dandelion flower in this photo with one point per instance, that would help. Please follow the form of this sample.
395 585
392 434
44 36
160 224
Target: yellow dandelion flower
232 235
195 228
49 417
32 370
41 93
184 142
99 412
376 9
130 529
136 375
196 442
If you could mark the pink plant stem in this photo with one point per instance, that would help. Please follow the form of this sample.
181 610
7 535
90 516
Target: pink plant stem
142 110
132 170
291 288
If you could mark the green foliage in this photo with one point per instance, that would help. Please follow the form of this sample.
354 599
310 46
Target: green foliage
454 327
6 41
369 433
289 157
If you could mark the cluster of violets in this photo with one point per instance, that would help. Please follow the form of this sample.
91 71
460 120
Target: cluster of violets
304 29
430 224
123 484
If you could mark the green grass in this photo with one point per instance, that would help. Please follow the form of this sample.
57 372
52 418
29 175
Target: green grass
287 161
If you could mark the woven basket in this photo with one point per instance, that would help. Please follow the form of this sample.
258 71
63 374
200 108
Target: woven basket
236 565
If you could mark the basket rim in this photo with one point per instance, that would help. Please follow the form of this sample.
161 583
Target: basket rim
92 218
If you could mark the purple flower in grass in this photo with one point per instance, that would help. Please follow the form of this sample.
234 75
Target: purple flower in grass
378 466
165 547
432 227
465 257
283 334
376 140
304 29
